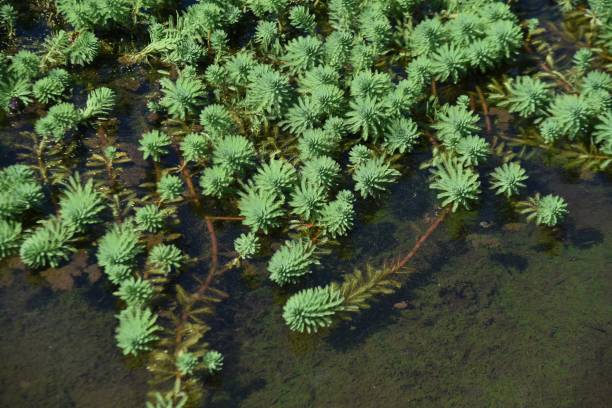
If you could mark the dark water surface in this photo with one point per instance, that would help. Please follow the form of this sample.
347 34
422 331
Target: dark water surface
495 312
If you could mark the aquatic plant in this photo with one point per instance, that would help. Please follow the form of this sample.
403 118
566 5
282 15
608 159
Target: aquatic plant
472 150
150 218
308 199
84 48
99 103
596 81
118 273
247 245
301 18
19 191
268 92
427 36
360 154
213 361
302 116
508 36
60 119
135 292
8 18
81 204
374 176
449 62
84 14
459 186
187 363
25 64
283 130
136 330
548 210
166 258
13 92
181 97
170 187
317 142
603 133
194 147
338 217
455 123
528 96
239 67
312 309
261 209
508 179
572 115
118 249
322 170
583 59
217 120
367 117
276 176
49 244
402 135
303 53
292 261
216 181
172 399
370 84
10 238
154 144
234 153
52 87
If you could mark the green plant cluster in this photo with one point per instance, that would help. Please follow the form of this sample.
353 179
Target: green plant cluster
285 116
19 192
105 14
595 16
567 110
8 20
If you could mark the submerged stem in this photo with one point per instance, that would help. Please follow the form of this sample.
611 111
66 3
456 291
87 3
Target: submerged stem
432 228
485 109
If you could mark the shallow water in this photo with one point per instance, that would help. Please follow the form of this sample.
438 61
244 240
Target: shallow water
493 312
505 316
501 315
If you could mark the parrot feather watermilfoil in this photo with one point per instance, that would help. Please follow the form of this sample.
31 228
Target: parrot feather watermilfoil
290 119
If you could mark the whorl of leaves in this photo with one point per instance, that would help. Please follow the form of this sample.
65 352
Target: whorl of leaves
165 258
261 209
182 97
292 261
276 176
312 309
458 186
374 177
81 204
548 210
508 179
136 330
48 245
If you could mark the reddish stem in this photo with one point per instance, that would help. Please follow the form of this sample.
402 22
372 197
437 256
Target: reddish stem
228 218
422 239
432 139
214 252
101 132
566 85
485 109
189 182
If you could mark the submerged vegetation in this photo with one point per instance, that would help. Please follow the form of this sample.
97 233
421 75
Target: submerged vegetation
285 117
